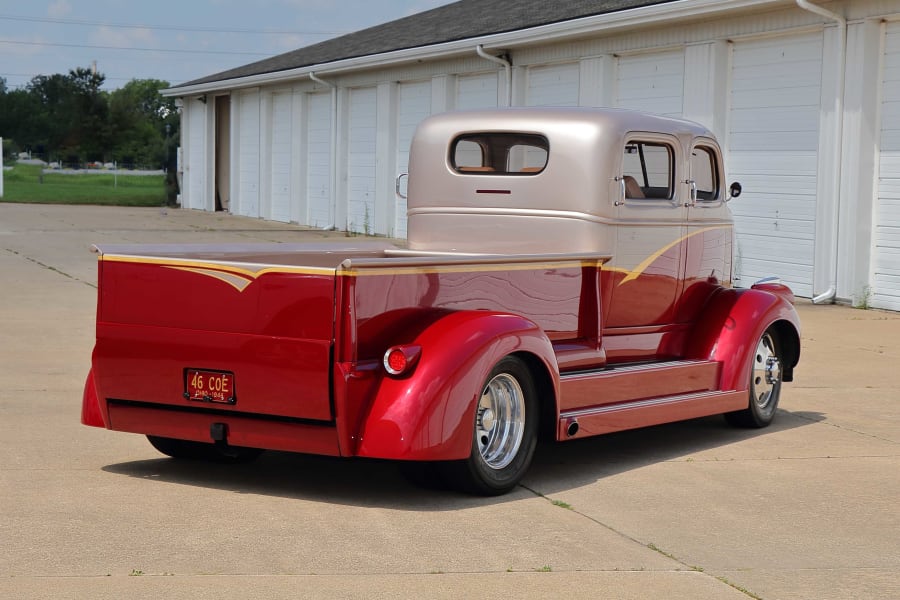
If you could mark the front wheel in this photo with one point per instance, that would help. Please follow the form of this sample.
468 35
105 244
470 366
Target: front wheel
504 432
765 384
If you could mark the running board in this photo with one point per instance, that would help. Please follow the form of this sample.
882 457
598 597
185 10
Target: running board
627 383
608 418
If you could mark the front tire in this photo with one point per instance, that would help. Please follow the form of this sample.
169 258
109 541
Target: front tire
504 433
766 372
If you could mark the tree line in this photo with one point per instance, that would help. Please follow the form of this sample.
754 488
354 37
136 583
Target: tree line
69 119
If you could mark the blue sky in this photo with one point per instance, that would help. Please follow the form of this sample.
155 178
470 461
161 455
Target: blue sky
201 37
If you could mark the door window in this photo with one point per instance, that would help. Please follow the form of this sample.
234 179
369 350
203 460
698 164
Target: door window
705 173
648 171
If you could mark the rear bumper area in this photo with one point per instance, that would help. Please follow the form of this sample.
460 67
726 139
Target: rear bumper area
244 430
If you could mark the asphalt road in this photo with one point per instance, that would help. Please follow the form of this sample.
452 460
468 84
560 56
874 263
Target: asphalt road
805 509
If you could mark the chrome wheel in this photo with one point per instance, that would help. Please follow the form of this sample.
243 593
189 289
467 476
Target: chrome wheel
500 421
766 372
504 432
765 378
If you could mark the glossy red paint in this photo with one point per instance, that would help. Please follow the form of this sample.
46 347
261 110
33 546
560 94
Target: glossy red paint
430 414
733 321
243 431
91 413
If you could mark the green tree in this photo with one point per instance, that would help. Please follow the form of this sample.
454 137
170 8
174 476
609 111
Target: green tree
139 117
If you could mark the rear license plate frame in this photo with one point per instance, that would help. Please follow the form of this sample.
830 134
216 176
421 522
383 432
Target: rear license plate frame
209 385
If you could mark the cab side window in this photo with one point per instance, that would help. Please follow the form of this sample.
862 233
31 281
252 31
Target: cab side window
705 173
648 171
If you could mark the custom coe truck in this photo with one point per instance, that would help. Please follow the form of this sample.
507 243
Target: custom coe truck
568 273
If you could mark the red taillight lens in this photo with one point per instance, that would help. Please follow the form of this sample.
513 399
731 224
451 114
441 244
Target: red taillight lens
400 360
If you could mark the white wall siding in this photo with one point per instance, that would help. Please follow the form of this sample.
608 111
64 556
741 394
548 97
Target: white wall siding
773 142
361 147
281 161
249 155
553 85
413 105
885 289
652 83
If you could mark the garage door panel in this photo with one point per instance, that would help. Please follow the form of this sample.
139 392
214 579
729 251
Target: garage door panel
414 105
318 161
762 78
476 91
361 160
777 119
553 85
886 230
781 97
282 131
652 83
773 141
781 50
770 162
248 204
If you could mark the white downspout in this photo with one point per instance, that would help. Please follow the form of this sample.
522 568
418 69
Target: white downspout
334 149
830 294
506 65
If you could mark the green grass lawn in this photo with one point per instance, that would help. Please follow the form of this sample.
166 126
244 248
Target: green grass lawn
26 184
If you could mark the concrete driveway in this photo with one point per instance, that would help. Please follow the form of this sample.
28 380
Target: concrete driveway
805 509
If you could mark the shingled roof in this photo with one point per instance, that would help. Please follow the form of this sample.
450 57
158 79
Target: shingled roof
458 21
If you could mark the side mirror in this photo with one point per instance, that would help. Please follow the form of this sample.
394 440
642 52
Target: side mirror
735 190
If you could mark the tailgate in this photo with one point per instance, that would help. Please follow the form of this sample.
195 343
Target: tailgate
258 335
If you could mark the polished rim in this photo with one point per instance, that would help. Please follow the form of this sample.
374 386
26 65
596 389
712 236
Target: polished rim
500 421
766 376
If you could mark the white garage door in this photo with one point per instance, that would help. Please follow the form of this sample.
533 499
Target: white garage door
281 157
318 161
553 85
476 91
886 234
413 106
195 196
248 188
773 142
652 83
361 161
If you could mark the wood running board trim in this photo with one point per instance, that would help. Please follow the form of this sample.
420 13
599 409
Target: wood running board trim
637 382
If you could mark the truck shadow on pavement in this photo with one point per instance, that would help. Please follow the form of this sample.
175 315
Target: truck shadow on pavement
557 467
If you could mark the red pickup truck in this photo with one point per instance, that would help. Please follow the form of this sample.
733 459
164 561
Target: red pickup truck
567 274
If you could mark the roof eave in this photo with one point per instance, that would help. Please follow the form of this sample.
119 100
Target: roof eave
630 18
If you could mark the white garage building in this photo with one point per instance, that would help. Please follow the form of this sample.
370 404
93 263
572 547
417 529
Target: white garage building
804 96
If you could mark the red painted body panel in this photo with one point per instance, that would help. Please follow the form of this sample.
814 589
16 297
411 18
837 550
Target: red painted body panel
430 414
274 335
242 430
733 321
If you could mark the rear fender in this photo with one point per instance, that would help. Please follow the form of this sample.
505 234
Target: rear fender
732 323
429 414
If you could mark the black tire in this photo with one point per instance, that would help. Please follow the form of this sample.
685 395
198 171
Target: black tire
764 390
190 450
504 432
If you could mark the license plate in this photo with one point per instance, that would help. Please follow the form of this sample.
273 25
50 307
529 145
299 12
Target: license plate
209 386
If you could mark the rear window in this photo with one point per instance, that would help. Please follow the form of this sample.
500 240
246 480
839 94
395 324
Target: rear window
499 153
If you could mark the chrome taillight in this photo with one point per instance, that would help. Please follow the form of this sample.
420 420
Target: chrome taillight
401 360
